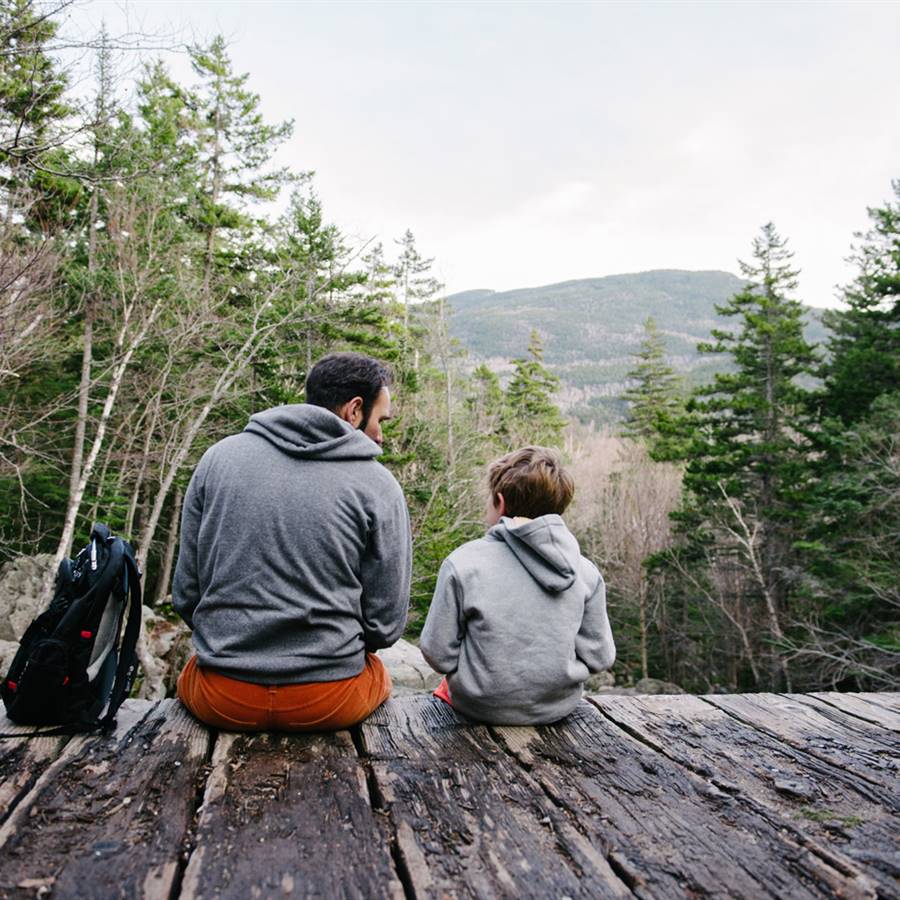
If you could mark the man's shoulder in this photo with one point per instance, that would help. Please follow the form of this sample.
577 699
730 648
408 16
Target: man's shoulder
223 450
376 476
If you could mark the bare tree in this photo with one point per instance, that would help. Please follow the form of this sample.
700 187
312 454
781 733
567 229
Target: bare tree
621 516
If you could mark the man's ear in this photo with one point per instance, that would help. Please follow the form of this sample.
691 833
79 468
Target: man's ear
500 504
352 411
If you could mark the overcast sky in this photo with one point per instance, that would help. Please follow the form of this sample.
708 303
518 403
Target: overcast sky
529 143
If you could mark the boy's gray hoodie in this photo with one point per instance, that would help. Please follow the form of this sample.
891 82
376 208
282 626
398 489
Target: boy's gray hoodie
295 550
518 622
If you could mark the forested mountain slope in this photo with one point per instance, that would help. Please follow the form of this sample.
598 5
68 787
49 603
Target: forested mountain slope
590 327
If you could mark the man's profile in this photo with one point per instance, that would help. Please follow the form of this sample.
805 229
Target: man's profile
295 560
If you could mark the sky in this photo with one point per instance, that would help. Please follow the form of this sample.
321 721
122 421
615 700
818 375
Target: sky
531 143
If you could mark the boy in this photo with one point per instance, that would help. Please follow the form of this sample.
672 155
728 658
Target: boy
518 620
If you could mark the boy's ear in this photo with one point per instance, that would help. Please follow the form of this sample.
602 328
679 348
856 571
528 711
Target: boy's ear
500 504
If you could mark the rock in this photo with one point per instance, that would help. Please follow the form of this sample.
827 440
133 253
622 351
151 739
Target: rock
20 592
656 686
169 646
408 667
599 681
8 650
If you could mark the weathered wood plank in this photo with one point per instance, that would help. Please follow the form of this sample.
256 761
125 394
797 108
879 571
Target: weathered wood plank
108 818
22 761
859 705
866 750
671 832
844 815
469 820
888 699
289 815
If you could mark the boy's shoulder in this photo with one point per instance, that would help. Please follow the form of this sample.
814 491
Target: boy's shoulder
486 550
479 551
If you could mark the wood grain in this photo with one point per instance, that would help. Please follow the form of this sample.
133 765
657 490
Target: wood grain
850 822
863 706
672 832
469 820
23 761
289 815
108 817
866 750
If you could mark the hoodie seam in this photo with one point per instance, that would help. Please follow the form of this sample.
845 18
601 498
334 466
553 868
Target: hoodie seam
558 550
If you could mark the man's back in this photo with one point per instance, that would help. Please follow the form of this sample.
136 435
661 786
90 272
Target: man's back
295 555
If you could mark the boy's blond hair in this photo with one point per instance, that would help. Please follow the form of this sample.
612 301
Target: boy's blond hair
533 482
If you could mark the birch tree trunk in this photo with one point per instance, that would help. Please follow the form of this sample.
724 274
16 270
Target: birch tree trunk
165 575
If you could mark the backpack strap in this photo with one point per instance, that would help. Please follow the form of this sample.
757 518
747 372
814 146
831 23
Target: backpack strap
101 587
127 665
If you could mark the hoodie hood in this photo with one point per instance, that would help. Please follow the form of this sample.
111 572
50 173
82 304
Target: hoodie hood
544 546
311 432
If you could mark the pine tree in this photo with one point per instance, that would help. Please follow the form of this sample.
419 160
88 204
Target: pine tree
531 415
864 347
412 273
654 399
33 211
852 554
235 146
747 466
33 106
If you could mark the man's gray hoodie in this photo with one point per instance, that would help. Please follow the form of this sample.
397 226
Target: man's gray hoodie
518 622
295 550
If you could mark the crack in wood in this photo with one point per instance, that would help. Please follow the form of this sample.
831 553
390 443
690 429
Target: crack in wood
470 820
380 805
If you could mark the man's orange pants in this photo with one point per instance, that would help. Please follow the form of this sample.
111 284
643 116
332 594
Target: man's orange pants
234 705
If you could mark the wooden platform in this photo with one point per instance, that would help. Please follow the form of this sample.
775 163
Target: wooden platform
759 795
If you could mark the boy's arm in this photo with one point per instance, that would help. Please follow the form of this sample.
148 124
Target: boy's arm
445 625
386 573
594 642
186 584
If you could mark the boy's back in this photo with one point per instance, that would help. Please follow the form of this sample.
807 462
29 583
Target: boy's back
518 622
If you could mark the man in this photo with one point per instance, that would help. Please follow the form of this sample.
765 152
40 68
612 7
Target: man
295 560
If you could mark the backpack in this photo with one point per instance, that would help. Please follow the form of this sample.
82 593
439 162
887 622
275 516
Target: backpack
71 670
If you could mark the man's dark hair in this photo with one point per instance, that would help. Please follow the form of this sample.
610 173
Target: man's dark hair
339 377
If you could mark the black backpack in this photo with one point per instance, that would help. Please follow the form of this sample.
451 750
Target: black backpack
71 669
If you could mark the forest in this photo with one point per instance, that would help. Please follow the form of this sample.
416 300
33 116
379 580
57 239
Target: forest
153 294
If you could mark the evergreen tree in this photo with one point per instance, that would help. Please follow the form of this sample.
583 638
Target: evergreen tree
33 210
33 105
328 302
412 273
531 415
848 636
654 399
235 146
746 469
485 403
864 347
849 629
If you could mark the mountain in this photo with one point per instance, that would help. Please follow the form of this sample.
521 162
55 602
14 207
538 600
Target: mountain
592 326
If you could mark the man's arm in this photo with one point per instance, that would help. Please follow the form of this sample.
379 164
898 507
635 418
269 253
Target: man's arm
186 584
386 574
594 644
444 627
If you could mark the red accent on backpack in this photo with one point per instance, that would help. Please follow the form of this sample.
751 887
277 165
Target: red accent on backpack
87 635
